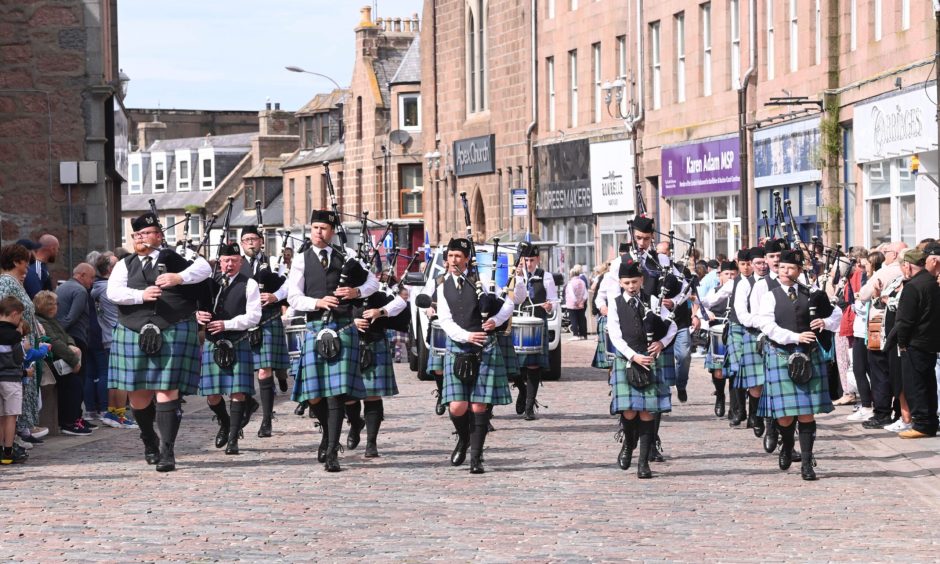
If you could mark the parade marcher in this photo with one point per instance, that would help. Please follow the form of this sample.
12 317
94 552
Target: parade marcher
155 351
269 342
474 370
639 377
718 306
227 355
322 286
537 295
796 383
435 364
740 320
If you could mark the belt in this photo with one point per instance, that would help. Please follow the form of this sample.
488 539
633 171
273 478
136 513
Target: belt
318 316
754 332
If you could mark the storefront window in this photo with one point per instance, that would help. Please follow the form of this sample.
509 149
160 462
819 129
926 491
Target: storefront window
891 208
575 238
714 224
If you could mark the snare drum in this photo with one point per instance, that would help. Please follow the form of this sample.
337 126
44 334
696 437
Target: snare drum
527 334
717 346
438 339
296 331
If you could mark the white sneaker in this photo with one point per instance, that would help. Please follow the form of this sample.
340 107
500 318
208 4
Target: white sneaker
39 432
863 414
898 426
18 441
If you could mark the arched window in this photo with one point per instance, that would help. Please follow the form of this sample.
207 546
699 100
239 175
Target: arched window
476 55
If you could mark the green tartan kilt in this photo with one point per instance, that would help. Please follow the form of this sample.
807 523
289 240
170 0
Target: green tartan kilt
273 351
510 358
239 379
655 398
539 359
319 378
379 380
751 368
491 386
176 367
733 352
786 399
600 353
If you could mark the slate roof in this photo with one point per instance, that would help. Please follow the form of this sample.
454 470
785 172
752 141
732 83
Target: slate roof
322 102
409 72
164 201
305 157
269 167
273 215
385 65
235 140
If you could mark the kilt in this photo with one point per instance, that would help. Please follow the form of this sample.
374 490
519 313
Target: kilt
435 362
655 398
491 386
667 372
711 364
239 379
600 354
176 367
318 378
379 380
273 351
734 346
509 355
751 368
539 359
784 398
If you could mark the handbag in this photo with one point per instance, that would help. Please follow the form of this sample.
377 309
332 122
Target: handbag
874 332
467 367
800 368
255 337
638 376
150 339
224 353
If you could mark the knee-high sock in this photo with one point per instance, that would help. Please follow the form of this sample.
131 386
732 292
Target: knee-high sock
719 384
145 418
787 435
335 425
169 416
478 434
533 379
656 423
221 413
742 396
354 413
807 439
646 431
631 430
462 424
322 413
752 405
373 411
237 408
439 382
267 398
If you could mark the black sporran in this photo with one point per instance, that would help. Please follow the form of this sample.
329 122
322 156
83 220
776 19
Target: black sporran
638 376
224 353
366 357
328 344
150 339
800 368
255 337
467 367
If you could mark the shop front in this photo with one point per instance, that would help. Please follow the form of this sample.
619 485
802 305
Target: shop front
563 203
613 198
701 181
895 142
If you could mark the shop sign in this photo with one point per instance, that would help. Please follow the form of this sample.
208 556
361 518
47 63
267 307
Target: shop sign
612 177
520 202
899 125
701 168
475 155
564 183
787 154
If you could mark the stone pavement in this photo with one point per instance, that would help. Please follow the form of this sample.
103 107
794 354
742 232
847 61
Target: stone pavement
551 492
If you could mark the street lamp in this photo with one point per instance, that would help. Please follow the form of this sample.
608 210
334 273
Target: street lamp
298 69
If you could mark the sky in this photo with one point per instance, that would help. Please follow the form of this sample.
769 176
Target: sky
231 54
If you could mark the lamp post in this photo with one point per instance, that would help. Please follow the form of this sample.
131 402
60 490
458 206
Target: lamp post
298 69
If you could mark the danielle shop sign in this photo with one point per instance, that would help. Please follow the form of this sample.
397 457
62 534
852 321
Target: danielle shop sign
612 177
701 168
898 125
475 155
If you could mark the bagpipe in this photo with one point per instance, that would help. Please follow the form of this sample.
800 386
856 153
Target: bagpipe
223 350
490 303
269 281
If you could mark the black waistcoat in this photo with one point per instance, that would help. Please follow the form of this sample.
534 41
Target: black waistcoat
268 282
536 288
792 316
175 304
464 305
231 303
320 282
631 326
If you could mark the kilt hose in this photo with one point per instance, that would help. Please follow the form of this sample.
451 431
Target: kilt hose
319 378
786 399
491 386
175 367
239 379
273 352
655 398
379 379
600 353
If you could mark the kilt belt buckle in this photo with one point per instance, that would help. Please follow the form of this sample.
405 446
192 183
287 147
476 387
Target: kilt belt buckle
223 353
150 339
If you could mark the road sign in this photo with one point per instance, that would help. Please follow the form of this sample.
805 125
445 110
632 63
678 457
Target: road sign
520 202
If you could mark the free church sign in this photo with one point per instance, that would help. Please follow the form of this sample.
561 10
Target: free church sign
475 155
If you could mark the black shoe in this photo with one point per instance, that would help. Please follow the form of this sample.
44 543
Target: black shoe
221 438
806 469
301 408
460 451
332 460
759 427
643 471
232 447
251 406
683 395
264 430
33 440
796 456
19 454
439 408
152 452
520 399
167 462
372 451
656 451
476 465
529 413
771 438
736 418
719 406
355 433
282 383
89 424
750 422
877 422
626 455
321 450
785 458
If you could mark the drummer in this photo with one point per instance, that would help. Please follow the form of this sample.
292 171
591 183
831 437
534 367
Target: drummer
716 304
435 364
541 300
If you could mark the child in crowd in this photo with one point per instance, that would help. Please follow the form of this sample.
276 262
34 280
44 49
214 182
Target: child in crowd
11 373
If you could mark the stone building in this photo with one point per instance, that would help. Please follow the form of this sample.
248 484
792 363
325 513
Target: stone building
181 123
61 101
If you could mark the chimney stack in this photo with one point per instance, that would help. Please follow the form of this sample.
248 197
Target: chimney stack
150 132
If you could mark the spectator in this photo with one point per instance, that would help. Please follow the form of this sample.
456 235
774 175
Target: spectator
37 277
73 314
66 362
576 302
11 377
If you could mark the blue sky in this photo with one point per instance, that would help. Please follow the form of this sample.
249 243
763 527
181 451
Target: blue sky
231 54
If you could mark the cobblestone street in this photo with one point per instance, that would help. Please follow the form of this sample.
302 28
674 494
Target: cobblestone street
552 491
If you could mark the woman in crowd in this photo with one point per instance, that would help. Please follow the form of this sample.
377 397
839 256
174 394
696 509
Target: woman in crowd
576 302
67 383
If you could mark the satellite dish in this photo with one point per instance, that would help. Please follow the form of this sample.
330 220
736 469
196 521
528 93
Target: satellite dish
399 137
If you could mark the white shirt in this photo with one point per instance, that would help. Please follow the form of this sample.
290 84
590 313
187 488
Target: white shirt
252 315
616 336
119 293
740 302
446 319
757 293
522 287
717 294
295 282
766 320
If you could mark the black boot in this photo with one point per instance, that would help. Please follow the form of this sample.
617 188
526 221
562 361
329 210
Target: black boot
772 437
251 406
785 458
754 421
477 439
335 428
145 419
301 408
281 375
462 425
719 385
656 449
321 412
356 424
489 419
807 439
169 416
440 408
740 414
374 411
520 384
267 406
238 409
646 432
532 381
221 415
630 435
